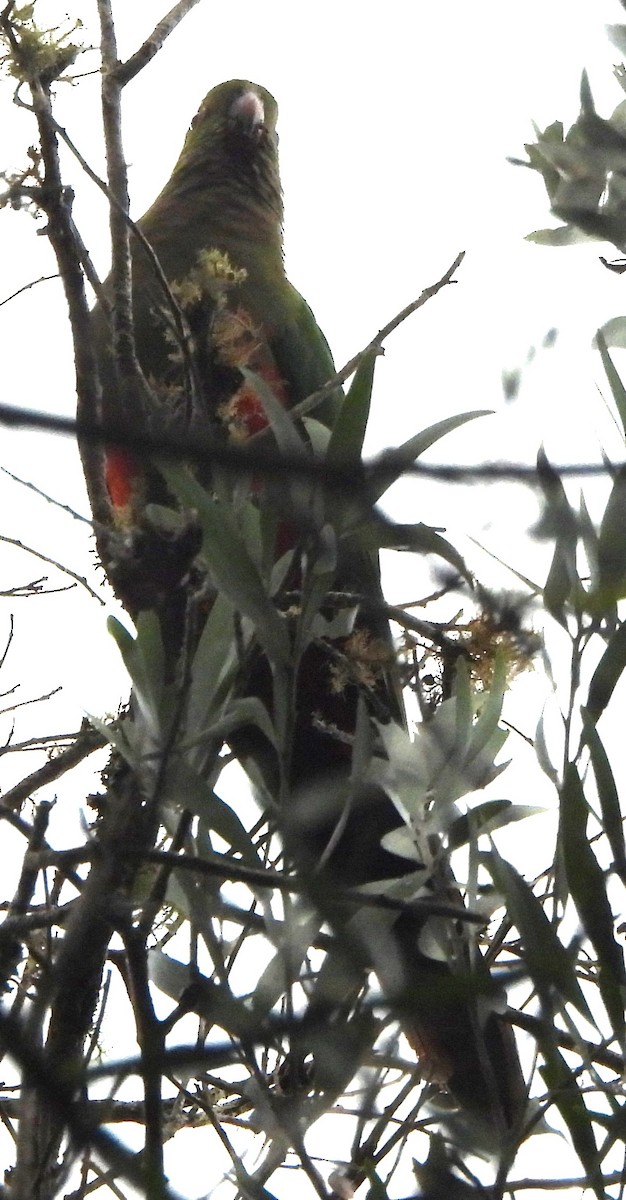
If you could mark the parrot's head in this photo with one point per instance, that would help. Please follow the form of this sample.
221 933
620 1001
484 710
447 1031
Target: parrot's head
233 138
237 111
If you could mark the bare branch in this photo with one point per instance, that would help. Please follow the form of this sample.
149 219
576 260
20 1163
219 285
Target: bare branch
314 400
243 458
53 563
52 1084
27 286
11 946
32 700
44 496
124 356
126 71
86 742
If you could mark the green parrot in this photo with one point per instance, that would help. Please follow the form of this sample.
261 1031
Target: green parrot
216 233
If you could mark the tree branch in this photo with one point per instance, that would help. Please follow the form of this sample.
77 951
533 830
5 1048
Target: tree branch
126 71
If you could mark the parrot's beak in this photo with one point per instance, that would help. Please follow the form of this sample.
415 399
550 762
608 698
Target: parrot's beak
248 113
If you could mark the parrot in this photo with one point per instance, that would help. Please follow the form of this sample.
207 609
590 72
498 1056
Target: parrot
215 236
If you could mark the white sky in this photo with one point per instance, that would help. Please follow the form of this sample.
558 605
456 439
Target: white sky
395 123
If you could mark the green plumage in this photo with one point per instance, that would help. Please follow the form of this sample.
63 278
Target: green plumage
224 199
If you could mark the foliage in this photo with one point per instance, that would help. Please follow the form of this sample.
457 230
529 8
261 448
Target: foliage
238 976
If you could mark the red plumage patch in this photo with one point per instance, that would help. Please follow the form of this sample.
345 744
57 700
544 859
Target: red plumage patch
121 474
244 414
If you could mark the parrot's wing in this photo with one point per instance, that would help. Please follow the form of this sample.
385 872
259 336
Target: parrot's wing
303 357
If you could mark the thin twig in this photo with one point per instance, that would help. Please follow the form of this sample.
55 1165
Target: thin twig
151 1042
125 360
11 946
59 1096
53 563
86 742
376 344
54 741
539 1028
237 457
33 700
27 286
137 234
224 867
43 917
126 71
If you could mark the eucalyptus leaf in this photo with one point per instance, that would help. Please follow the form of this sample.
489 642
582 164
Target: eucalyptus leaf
559 523
419 539
562 235
292 941
214 661
487 817
441 764
346 441
288 438
144 660
393 463
551 967
611 550
612 819
607 674
562 1083
587 886
117 737
231 567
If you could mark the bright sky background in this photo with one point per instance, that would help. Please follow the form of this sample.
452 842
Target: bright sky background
395 123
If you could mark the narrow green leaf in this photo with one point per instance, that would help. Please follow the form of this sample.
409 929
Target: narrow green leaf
348 433
116 737
557 588
558 522
318 435
393 463
607 674
611 551
589 537
587 886
214 658
362 744
612 820
563 235
490 711
617 35
419 539
492 814
541 750
613 334
240 711
170 976
463 710
214 1002
231 566
144 660
586 97
288 439
618 391
563 1087
550 965
292 939
185 788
